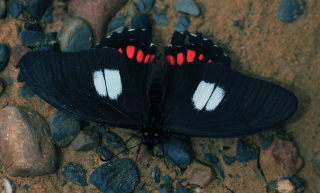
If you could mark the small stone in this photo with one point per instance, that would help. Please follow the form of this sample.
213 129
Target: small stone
36 8
287 185
51 47
113 140
2 8
4 56
26 148
33 26
216 164
36 38
265 142
75 173
246 152
118 22
187 6
179 27
15 8
161 17
228 160
182 189
145 157
199 174
17 53
26 92
116 176
290 10
85 141
141 20
167 179
48 15
316 162
105 152
156 174
280 160
64 129
75 35
141 6
98 13
176 151
185 21
162 190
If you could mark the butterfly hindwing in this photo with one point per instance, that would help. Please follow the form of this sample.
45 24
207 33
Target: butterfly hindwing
96 85
212 100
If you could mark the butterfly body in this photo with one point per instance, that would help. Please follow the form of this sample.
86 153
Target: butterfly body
194 93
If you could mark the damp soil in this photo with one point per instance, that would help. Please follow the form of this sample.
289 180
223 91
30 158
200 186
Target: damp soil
261 46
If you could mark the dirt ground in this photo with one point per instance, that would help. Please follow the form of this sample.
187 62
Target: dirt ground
261 46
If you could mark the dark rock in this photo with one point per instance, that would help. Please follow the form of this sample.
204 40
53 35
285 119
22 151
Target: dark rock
290 10
149 3
4 56
176 151
225 148
118 22
113 140
85 141
141 20
75 35
36 38
156 174
26 148
245 151
15 8
2 8
36 8
161 17
26 92
145 4
105 152
64 129
228 160
97 13
187 6
162 190
167 179
116 176
48 15
141 6
179 27
211 158
33 26
182 189
199 174
236 23
216 164
75 173
288 185
265 142
185 21
51 47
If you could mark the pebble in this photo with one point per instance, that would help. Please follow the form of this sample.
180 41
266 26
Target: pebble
4 56
280 160
179 27
141 6
35 38
141 20
116 176
75 173
7 185
75 35
64 129
17 53
113 140
26 92
167 179
245 151
2 8
290 10
36 8
98 13
316 162
85 141
156 174
33 26
185 20
287 185
265 142
228 160
29 150
105 152
162 190
182 189
187 6
145 157
199 174
176 151
48 15
50 47
15 8
118 22
216 164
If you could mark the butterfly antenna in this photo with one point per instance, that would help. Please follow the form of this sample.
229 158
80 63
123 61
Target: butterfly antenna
103 159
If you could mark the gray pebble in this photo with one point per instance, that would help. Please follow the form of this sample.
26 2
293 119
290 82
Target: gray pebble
187 6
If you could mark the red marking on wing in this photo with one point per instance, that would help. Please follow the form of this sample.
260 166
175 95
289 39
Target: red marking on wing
191 54
140 56
210 61
201 56
130 51
180 58
171 60
152 58
120 50
147 59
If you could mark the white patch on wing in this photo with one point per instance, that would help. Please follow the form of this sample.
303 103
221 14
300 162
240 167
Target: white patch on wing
215 99
113 83
99 83
202 94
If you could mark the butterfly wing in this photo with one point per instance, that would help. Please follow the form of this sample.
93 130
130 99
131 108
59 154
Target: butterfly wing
209 99
100 85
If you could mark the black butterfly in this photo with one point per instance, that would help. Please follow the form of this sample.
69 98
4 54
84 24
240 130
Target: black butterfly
194 93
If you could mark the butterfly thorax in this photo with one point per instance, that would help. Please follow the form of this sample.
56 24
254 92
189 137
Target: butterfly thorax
156 91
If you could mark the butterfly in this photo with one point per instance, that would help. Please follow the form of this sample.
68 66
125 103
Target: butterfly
195 92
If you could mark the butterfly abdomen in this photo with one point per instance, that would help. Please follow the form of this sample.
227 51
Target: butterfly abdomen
156 88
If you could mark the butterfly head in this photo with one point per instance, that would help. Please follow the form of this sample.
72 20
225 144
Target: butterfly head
150 139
